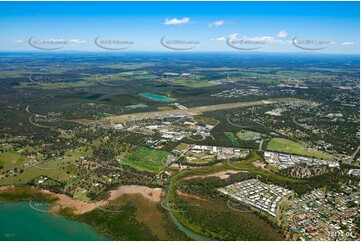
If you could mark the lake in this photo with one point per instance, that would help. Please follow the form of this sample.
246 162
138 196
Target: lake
20 222
155 97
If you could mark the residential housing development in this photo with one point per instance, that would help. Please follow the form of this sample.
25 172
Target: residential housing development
325 215
257 194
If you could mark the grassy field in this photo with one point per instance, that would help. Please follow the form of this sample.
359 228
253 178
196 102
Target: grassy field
56 169
32 173
232 138
194 83
201 158
146 159
248 135
10 159
182 147
288 146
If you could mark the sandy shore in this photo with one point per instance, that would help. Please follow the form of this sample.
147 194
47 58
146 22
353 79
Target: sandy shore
80 207
6 188
152 194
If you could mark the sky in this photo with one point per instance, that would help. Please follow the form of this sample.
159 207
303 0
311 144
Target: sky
321 27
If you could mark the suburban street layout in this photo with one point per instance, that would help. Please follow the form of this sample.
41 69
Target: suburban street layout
180 121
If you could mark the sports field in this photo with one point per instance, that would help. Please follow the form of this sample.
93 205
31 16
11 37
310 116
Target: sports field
288 146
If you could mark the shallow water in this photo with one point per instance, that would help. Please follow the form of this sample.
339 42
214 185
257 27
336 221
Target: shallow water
155 97
18 221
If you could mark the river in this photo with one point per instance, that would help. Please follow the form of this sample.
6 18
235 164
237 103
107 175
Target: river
184 229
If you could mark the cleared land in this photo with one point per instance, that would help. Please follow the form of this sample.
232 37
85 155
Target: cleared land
80 207
192 111
287 146
146 159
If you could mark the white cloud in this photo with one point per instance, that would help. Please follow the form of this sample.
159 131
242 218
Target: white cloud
282 34
175 21
232 36
347 43
222 38
216 23
266 39
76 41
219 39
17 41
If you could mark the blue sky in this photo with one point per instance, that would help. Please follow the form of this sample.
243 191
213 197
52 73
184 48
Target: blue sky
333 27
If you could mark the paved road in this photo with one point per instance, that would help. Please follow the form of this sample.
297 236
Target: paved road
353 155
260 145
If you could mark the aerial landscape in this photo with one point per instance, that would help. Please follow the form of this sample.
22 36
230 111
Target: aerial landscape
183 123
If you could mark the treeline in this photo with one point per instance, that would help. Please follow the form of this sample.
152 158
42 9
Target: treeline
330 180
207 186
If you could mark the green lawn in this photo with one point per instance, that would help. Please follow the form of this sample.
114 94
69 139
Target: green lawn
11 159
56 169
232 138
146 159
248 135
288 146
